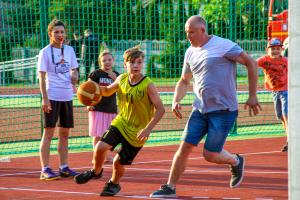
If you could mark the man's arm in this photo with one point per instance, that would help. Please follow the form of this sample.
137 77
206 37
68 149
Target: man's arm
180 91
251 66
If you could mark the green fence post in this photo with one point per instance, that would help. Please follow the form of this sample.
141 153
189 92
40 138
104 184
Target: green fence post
44 16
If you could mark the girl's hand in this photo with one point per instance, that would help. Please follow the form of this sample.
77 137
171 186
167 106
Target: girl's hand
112 75
90 108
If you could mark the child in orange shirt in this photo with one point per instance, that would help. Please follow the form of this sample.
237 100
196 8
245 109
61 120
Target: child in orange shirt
275 68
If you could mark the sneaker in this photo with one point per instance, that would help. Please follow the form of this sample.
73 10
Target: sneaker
110 189
67 172
49 175
165 191
86 176
285 147
237 172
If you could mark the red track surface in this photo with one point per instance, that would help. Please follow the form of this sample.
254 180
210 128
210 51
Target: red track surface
266 175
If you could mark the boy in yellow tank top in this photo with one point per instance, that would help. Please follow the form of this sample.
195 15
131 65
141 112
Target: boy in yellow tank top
140 109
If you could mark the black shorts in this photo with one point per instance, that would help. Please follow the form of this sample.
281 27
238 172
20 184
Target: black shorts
127 152
62 110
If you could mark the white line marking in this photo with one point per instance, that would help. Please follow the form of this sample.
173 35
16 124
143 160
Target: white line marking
53 191
167 170
70 192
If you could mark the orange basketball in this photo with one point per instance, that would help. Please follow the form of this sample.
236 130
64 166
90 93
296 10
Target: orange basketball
88 93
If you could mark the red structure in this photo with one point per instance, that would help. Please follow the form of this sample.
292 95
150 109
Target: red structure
278 19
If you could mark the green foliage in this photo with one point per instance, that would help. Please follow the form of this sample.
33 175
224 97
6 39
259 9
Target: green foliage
152 69
5 55
5 45
23 19
32 42
171 60
140 22
235 19
152 21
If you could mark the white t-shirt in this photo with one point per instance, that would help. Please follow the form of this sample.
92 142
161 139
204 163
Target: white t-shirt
58 75
214 74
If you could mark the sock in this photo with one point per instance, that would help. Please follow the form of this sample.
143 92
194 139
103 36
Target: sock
171 186
45 168
63 166
238 160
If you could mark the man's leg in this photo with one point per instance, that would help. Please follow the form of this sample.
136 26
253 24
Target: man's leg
178 166
179 162
219 125
194 131
223 157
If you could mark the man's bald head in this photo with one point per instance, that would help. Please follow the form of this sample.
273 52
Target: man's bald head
196 21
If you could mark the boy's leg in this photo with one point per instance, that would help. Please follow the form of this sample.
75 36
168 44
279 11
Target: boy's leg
47 173
95 141
96 172
100 151
45 146
62 147
125 157
118 170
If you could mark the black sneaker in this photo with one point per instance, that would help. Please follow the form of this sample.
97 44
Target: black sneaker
165 191
86 176
110 189
237 172
285 147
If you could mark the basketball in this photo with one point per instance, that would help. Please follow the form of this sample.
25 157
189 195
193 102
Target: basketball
88 93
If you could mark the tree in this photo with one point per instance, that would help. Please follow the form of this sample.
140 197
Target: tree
152 21
140 21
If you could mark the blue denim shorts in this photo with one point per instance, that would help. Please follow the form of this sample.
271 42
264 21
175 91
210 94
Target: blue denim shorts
214 125
280 99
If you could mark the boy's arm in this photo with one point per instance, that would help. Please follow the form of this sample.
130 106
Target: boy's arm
46 106
110 89
159 107
143 135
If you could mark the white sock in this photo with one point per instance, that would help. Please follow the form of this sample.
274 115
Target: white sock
45 168
63 166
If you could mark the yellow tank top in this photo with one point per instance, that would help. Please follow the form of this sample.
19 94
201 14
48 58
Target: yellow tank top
135 109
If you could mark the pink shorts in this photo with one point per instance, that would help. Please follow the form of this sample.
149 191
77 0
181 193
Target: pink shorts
99 122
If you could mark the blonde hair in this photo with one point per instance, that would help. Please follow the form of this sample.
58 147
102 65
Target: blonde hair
104 53
133 53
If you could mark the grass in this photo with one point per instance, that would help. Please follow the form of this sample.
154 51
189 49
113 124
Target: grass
35 102
80 144
159 82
